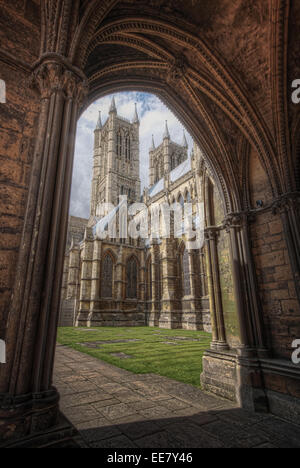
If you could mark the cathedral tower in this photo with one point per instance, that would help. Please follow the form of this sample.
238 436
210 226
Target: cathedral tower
166 157
116 169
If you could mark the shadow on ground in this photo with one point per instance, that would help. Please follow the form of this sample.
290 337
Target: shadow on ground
233 428
114 408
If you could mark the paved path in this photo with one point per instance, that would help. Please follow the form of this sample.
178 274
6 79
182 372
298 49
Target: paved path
113 408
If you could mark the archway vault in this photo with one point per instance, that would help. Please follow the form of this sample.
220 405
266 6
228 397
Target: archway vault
162 52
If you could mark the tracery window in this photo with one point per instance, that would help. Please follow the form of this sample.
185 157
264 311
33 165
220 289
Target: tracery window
107 276
132 279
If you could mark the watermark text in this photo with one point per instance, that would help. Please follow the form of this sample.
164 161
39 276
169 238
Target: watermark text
2 352
296 93
2 92
296 353
157 222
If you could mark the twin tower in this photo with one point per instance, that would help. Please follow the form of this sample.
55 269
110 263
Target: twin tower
116 169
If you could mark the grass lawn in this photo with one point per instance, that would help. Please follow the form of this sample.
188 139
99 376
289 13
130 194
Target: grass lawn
176 354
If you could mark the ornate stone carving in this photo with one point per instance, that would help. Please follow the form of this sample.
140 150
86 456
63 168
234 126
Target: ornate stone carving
177 69
286 203
52 76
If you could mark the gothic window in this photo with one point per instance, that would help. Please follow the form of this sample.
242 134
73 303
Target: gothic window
173 162
157 173
132 279
107 277
188 197
186 283
181 200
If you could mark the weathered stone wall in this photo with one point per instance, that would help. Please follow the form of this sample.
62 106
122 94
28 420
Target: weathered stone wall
281 308
20 42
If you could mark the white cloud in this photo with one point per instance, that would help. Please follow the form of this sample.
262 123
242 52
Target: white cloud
153 114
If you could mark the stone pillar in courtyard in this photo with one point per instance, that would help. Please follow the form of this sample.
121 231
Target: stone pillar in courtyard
155 271
171 309
95 280
85 313
26 380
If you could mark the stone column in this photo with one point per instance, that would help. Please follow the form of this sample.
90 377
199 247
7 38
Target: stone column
85 312
155 305
142 294
33 316
95 283
219 341
171 314
119 278
250 392
196 306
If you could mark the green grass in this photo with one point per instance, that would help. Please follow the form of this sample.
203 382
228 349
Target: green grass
150 355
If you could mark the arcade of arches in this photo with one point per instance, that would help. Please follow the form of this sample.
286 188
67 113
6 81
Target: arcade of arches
225 69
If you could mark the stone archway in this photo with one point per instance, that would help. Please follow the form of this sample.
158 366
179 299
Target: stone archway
87 50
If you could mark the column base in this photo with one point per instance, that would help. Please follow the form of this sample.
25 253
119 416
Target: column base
34 421
219 373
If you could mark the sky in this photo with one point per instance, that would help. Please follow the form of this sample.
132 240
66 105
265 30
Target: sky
152 113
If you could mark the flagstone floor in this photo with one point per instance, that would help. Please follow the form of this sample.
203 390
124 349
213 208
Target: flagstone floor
113 408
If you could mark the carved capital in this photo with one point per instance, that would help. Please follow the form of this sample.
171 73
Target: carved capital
211 234
53 76
235 221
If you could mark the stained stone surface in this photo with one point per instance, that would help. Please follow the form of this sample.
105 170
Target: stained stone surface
114 408
171 343
98 344
121 355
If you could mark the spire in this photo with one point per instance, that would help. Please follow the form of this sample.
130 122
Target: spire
113 107
153 144
136 115
184 141
167 133
99 123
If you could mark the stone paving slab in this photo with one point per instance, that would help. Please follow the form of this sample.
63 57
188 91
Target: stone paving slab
113 408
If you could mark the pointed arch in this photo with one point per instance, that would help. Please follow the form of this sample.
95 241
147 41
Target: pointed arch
132 277
185 271
107 275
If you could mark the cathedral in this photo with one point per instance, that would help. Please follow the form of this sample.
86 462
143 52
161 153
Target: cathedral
135 282
230 72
